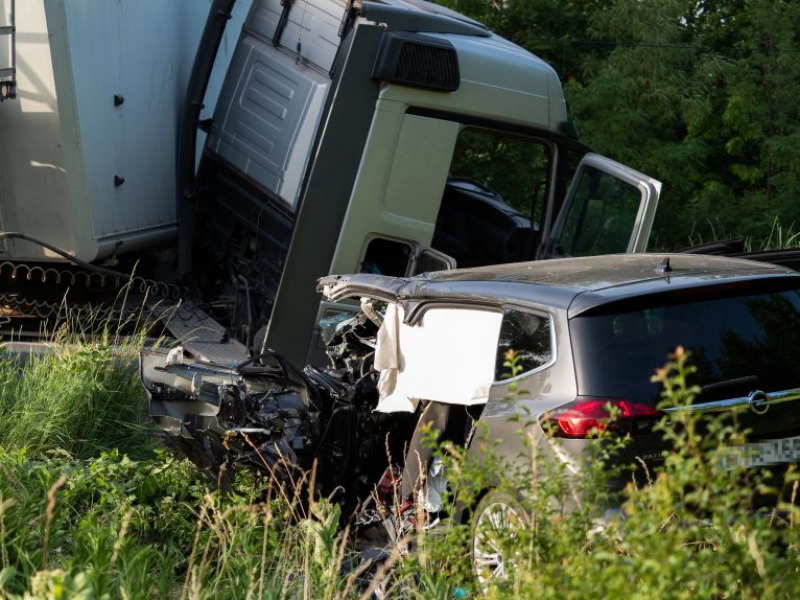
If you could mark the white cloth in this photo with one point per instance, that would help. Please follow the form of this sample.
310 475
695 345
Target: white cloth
388 361
449 357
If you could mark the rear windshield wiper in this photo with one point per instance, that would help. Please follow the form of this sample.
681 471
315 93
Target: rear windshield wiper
748 381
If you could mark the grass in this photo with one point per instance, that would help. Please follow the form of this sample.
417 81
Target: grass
80 399
93 506
779 237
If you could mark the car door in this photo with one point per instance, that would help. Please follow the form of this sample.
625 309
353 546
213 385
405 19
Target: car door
609 208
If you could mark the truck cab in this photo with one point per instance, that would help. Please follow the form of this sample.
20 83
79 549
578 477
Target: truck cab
394 137
388 136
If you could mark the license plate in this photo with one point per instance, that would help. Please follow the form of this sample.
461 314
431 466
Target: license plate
763 453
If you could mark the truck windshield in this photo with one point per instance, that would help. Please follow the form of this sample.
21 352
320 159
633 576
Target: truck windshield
738 341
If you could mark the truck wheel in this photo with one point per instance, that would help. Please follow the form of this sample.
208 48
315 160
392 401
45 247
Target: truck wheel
495 523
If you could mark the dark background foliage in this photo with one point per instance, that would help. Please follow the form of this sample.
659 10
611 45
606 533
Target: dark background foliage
702 95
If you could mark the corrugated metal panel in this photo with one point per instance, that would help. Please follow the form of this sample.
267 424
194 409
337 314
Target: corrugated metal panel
265 122
311 30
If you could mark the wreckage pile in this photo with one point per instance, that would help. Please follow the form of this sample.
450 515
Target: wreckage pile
267 415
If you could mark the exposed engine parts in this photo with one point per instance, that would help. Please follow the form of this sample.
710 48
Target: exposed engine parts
265 414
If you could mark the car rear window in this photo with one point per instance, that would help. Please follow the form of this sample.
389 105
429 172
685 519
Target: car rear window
739 340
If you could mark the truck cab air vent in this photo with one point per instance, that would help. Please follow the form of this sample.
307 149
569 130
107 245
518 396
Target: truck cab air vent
417 60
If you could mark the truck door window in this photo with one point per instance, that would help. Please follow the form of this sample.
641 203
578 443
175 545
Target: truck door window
515 168
386 257
601 217
609 208
493 199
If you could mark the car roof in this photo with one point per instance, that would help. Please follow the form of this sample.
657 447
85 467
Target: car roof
578 284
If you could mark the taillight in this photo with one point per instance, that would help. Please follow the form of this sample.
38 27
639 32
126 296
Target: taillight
586 416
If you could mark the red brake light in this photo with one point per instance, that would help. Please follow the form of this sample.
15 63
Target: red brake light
587 416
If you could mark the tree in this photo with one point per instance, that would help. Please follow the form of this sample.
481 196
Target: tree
701 94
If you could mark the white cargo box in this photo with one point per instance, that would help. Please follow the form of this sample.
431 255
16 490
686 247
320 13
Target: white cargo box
88 147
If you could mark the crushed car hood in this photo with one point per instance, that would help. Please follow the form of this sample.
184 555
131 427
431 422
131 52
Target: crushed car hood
259 413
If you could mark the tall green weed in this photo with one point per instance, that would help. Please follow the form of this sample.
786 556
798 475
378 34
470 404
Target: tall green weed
80 516
78 398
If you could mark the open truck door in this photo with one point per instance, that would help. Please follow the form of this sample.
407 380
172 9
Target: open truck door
609 208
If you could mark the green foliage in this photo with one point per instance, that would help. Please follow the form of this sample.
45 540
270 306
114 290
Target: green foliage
77 398
113 526
92 505
701 95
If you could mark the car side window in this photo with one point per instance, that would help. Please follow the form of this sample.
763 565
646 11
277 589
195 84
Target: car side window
528 336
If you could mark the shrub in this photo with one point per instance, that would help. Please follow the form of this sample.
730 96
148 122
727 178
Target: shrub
110 524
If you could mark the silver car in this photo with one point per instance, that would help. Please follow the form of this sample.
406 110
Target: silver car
587 334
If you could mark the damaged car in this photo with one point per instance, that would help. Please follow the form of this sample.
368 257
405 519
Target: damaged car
266 414
408 353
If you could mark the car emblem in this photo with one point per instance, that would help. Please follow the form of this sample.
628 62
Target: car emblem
759 402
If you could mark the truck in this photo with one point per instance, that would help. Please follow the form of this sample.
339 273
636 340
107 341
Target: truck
200 164
230 153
